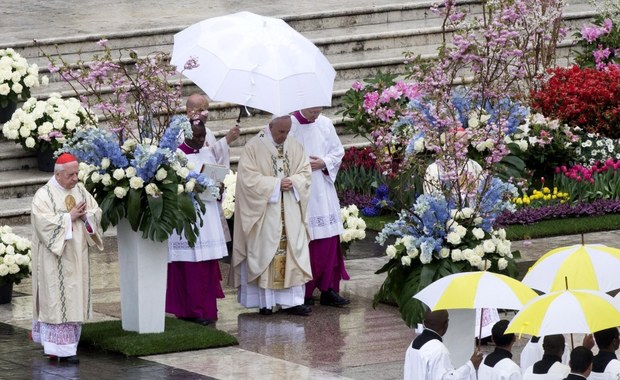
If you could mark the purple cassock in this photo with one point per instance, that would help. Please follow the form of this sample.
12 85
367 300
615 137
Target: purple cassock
194 277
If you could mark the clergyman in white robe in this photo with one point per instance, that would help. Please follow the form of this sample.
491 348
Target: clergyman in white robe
60 265
321 142
262 214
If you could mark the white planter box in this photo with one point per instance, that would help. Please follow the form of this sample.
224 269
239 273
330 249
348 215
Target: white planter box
143 266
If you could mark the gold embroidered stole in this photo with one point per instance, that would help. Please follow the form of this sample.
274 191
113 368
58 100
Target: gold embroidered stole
278 268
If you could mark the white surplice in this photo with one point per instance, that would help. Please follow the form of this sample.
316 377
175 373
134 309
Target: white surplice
210 242
432 362
505 369
557 371
320 139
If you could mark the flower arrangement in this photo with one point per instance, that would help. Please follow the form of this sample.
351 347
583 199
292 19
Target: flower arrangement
379 202
583 97
45 125
15 257
17 77
354 227
228 201
148 183
600 40
435 238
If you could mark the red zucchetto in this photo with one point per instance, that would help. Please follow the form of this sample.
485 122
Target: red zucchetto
65 158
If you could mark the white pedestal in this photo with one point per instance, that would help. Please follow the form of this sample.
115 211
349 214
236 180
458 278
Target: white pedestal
143 266
460 338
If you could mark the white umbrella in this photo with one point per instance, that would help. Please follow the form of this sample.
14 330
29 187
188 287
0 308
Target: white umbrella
256 61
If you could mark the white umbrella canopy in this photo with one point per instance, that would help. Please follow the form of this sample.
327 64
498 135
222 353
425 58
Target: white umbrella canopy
260 62
582 266
567 311
473 290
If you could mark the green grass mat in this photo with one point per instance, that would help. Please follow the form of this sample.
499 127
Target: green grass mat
178 336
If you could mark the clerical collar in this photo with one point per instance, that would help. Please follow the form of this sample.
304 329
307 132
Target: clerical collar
542 366
601 360
496 356
300 118
426 336
187 149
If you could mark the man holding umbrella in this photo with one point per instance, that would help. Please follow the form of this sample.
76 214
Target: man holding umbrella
270 260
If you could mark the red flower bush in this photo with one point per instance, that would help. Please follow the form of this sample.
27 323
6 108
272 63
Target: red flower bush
582 97
356 157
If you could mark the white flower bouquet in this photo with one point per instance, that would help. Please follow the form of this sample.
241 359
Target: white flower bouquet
16 77
45 125
228 201
15 257
354 227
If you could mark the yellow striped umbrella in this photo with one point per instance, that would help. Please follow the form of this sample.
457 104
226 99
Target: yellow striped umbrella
567 311
589 266
473 290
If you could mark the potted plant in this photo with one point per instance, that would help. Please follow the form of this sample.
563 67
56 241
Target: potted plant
15 261
16 80
43 126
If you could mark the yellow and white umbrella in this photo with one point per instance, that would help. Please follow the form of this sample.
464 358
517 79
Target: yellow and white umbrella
589 266
566 311
473 290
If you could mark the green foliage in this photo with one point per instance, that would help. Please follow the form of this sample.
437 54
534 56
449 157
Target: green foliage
178 336
565 226
359 179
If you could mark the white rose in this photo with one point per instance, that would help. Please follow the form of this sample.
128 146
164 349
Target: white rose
468 254
478 233
479 250
360 234
190 166
120 192
118 174
106 179
2 248
4 89
10 250
474 260
344 213
390 251
502 263
444 252
183 172
105 163
152 190
346 236
95 177
180 189
20 259
488 246
9 259
30 142
461 230
4 270
501 233
17 88
13 268
412 252
189 186
405 260
136 182
454 238
354 210
130 172
418 145
484 265
161 174
456 254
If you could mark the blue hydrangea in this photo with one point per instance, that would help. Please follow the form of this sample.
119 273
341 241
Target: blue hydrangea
91 145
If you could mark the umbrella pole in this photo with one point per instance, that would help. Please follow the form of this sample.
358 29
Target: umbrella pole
480 330
572 342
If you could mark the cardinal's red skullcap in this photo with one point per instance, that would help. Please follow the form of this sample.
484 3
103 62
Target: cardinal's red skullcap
65 158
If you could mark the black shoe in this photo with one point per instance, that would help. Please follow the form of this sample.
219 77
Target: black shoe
309 301
69 359
204 322
331 298
302 310
265 311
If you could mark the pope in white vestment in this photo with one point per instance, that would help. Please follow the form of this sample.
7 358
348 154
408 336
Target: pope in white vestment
66 222
270 261
317 135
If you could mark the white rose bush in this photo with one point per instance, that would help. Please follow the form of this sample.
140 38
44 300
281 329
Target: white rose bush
17 77
45 125
15 257
354 227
